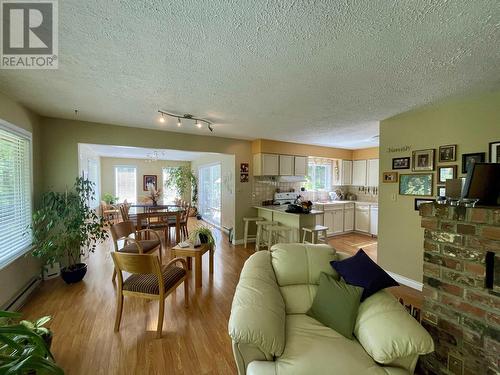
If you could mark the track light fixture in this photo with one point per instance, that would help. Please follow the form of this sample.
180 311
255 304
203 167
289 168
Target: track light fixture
198 121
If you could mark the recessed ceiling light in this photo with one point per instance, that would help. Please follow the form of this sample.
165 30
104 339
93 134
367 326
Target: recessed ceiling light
162 119
179 121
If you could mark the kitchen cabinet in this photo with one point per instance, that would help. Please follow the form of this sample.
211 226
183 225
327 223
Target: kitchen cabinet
374 220
349 217
372 172
265 165
338 220
362 218
286 165
300 167
359 172
346 177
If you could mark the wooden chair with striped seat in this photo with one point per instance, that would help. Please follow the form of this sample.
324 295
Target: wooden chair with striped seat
149 280
124 230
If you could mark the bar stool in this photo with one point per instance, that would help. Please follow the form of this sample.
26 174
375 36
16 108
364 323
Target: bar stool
315 232
275 233
246 236
262 232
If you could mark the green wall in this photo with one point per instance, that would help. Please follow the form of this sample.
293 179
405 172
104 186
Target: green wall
471 123
60 140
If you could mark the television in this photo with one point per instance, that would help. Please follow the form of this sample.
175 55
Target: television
483 183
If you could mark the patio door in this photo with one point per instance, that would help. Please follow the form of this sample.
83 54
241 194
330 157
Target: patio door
209 177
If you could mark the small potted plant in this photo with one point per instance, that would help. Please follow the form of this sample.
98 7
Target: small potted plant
23 350
109 198
37 326
153 194
65 228
202 235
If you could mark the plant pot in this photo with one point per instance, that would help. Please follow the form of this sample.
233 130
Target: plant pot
47 339
193 211
74 274
203 238
198 217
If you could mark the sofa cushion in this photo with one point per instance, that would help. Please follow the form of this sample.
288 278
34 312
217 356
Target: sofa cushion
312 348
336 304
361 271
387 332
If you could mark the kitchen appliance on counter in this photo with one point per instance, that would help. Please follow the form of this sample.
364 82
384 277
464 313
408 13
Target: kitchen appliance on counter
285 198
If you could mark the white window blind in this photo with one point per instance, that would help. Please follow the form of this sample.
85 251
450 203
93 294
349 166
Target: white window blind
126 183
15 195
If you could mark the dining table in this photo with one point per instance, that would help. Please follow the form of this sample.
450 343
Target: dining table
143 212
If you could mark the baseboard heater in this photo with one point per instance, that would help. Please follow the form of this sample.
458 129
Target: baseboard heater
20 298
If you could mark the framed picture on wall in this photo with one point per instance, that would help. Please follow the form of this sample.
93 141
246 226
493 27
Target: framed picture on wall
495 152
416 184
389 177
401 163
468 159
423 160
447 153
441 191
446 173
149 179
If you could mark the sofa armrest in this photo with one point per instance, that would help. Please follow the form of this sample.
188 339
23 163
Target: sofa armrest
389 334
258 310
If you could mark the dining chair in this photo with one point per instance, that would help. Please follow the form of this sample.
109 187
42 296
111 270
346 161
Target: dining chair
124 212
150 280
109 212
124 230
184 220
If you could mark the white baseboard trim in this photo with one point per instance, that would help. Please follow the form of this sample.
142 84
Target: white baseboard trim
241 242
18 301
406 281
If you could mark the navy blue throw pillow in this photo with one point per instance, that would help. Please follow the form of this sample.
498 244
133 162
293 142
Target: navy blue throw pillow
360 270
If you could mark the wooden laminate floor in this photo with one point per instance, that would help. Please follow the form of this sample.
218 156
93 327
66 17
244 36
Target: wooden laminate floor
195 340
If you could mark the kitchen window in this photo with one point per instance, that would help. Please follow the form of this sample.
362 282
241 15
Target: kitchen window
15 192
319 174
126 183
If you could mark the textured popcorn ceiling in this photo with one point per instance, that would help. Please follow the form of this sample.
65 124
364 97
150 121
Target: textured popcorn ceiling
322 72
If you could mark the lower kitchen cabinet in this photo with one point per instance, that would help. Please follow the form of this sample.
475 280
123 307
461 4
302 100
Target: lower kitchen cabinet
349 219
362 218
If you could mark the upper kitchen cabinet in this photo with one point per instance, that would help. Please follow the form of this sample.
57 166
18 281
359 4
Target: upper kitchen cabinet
346 174
286 165
266 165
359 172
300 168
372 172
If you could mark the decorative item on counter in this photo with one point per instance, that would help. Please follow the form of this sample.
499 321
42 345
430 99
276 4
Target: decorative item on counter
153 194
423 160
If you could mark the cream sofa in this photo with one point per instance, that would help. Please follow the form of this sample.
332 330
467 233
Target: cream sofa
271 333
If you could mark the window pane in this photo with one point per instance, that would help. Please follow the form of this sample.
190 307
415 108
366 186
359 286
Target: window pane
169 194
126 184
15 195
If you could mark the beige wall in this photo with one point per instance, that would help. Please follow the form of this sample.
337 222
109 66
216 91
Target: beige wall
277 147
16 275
60 140
228 183
471 123
143 168
365 153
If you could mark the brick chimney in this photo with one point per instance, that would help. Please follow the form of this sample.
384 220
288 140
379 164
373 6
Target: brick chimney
461 307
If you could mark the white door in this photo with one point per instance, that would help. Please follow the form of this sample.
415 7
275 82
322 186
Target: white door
374 220
373 172
362 220
359 172
210 193
300 166
338 220
286 165
349 219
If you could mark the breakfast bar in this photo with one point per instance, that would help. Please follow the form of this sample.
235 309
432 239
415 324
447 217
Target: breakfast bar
296 221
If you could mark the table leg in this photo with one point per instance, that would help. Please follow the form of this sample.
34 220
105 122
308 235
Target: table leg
211 261
197 272
189 262
177 228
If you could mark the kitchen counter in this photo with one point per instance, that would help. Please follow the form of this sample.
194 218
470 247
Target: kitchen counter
344 202
282 209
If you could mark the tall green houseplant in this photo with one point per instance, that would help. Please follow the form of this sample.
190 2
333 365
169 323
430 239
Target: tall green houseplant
183 179
66 228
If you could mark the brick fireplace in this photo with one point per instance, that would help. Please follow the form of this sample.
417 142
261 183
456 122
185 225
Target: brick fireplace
461 307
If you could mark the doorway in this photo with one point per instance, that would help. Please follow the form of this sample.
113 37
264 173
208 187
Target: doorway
210 193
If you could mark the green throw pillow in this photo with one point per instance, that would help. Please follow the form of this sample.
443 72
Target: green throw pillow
336 304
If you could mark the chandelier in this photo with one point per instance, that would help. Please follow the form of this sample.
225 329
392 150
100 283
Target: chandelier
199 122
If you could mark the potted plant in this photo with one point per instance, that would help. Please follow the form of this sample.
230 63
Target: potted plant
65 228
37 326
182 179
22 350
109 198
202 235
